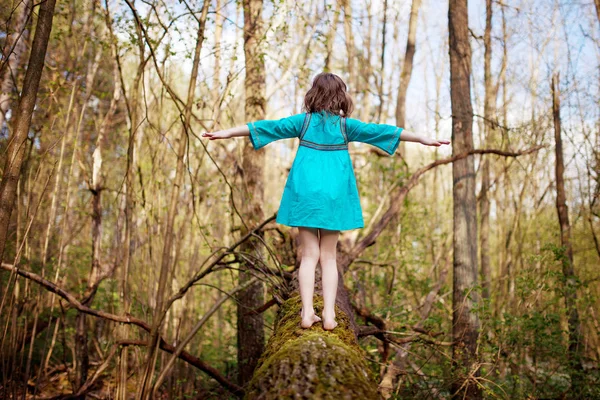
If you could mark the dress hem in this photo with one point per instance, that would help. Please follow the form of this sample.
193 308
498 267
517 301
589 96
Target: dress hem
329 228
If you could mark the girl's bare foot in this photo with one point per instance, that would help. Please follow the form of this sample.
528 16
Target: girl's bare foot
329 322
309 319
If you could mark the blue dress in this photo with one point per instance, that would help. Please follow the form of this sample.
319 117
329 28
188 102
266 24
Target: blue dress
321 191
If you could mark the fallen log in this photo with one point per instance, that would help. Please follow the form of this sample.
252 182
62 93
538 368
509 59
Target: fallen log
313 363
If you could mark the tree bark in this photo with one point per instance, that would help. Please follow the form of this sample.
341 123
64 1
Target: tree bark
465 323
16 148
250 327
14 50
566 258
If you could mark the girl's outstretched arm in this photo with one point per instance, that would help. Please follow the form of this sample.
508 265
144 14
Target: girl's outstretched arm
427 141
241 130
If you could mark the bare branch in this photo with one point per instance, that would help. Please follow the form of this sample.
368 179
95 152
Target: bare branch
401 192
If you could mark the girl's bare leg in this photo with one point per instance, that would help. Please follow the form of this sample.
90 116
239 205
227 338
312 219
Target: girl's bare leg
327 256
306 275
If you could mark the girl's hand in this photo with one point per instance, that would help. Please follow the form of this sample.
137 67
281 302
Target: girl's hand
217 135
433 142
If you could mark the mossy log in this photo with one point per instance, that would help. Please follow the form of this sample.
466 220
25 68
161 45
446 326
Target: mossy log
313 363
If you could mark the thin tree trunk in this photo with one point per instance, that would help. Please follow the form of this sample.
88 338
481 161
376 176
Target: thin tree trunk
350 51
216 85
503 256
465 322
250 327
365 67
81 334
58 180
134 125
331 36
16 148
570 279
134 116
381 79
95 272
485 179
127 247
407 68
146 388
14 51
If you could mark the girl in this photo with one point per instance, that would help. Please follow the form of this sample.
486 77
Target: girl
320 196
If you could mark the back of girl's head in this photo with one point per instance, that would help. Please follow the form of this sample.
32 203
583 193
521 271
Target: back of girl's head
328 93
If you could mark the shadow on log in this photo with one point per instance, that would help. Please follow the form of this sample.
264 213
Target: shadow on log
312 363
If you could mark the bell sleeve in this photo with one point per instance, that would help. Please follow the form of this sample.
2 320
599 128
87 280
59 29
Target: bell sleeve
265 131
385 137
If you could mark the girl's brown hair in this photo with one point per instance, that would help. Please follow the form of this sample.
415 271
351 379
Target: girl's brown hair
328 93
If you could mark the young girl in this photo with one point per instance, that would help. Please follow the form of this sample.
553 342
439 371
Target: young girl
320 195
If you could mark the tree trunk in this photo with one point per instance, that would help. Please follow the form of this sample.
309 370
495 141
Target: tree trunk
14 50
485 178
465 323
250 327
81 331
129 207
331 37
566 258
16 148
96 188
350 51
407 67
216 84
365 68
379 81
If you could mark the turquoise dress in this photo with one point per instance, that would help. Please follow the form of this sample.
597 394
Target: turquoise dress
321 191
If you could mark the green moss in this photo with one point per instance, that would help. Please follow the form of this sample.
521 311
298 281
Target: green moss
311 363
